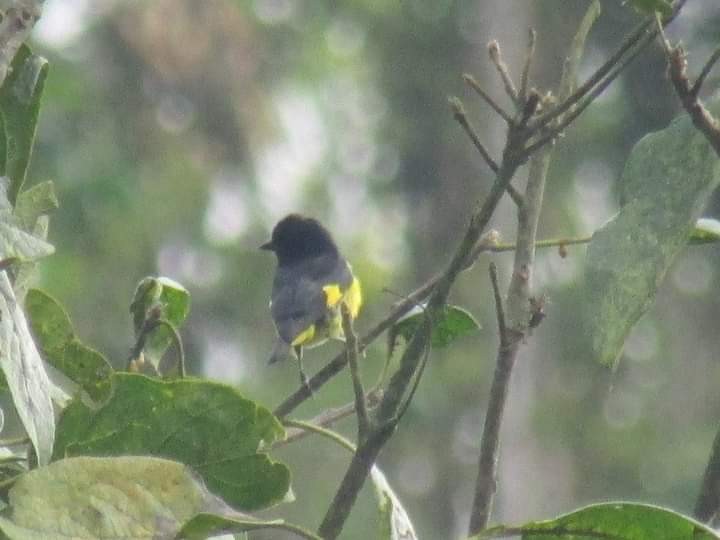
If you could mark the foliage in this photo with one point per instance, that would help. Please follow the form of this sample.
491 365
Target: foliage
667 182
168 457
621 521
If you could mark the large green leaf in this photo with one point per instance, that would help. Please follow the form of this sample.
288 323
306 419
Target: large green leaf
668 179
206 425
62 349
616 521
159 298
25 374
121 497
19 106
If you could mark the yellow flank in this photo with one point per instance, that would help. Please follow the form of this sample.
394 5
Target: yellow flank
333 295
353 297
306 335
315 335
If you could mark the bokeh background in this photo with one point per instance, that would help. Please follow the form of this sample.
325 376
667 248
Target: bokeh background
178 132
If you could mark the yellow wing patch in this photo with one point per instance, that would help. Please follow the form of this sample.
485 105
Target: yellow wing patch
306 335
353 298
333 295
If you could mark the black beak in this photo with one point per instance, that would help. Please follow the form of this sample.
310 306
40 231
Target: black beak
268 246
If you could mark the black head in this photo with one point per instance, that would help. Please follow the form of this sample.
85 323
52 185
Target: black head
296 237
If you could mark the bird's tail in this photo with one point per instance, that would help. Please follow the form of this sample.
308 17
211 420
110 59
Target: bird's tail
281 351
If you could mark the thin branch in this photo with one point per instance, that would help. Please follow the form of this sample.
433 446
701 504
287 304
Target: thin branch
310 427
518 312
707 68
529 56
404 406
327 418
472 83
630 42
351 349
486 483
556 130
461 118
705 122
403 378
502 69
499 309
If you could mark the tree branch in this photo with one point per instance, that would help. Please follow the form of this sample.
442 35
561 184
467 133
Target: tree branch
472 83
688 94
499 309
529 56
386 415
502 69
351 350
518 304
629 43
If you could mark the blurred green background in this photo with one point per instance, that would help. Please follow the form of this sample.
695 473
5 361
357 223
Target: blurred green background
178 132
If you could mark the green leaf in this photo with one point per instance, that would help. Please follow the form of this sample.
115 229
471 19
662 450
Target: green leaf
121 497
706 231
667 181
204 526
62 349
206 425
454 323
664 7
162 298
19 106
16 243
34 202
394 521
619 521
25 374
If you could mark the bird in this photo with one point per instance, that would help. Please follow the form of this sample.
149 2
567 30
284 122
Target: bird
312 280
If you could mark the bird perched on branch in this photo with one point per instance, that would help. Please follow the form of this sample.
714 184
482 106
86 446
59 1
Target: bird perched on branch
311 282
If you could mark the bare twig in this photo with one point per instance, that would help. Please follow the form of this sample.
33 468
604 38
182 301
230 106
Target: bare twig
636 39
502 69
513 331
707 68
552 133
529 56
351 349
706 123
461 118
499 308
403 378
327 418
472 83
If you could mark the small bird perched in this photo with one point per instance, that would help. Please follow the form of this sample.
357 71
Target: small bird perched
311 282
